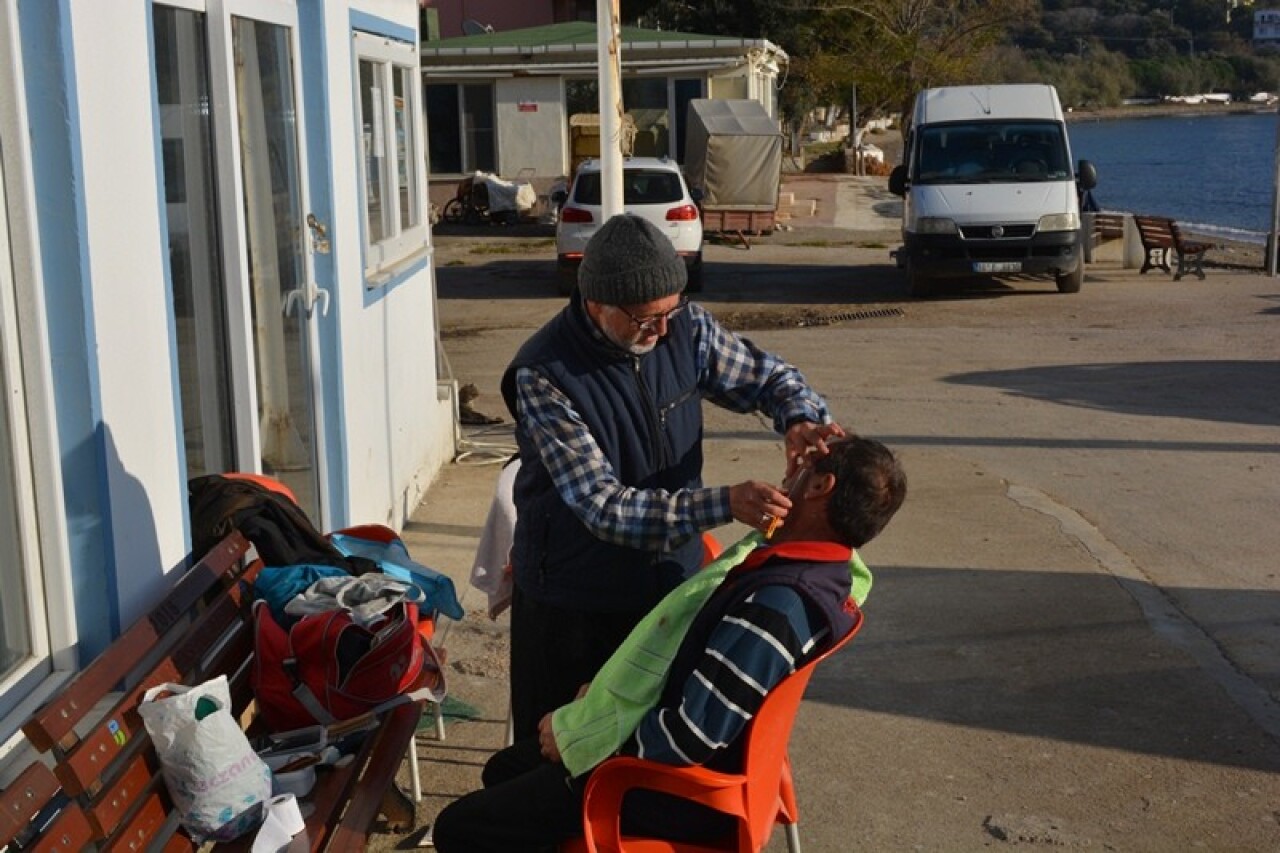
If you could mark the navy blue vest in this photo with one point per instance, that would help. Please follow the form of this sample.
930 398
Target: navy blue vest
645 413
825 588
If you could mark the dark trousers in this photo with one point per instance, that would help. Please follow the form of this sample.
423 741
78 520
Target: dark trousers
529 805
554 652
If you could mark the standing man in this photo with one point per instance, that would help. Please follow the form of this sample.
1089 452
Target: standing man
609 498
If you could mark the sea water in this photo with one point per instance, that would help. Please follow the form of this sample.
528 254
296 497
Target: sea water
1215 173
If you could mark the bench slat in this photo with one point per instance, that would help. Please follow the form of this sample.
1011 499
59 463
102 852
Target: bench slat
23 800
69 832
58 717
378 778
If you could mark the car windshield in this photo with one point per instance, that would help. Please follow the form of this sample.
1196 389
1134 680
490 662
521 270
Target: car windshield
991 152
639 186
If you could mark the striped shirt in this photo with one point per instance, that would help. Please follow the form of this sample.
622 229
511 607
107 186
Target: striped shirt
732 373
754 647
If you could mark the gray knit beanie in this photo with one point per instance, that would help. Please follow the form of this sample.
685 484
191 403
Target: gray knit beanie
630 262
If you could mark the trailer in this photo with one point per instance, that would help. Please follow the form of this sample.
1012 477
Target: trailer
733 157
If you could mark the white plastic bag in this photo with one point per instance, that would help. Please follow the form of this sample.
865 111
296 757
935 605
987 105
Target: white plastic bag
217 782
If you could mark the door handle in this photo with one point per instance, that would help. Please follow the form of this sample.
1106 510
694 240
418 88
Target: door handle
292 298
308 296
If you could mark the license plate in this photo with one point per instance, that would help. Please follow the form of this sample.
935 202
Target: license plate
997 266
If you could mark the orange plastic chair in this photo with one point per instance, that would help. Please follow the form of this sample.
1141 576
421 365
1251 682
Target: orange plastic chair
710 548
759 797
269 483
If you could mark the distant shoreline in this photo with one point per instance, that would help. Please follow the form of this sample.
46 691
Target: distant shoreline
1165 110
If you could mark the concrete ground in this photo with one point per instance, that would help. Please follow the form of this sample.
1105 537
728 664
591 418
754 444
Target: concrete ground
1074 636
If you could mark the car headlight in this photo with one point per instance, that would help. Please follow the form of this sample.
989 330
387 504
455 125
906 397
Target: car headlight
936 225
1059 222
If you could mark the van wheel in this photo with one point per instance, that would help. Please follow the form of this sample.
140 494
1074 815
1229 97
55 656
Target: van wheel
919 286
1071 282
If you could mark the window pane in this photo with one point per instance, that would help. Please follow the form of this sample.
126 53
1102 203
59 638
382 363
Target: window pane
406 159
374 152
195 251
685 91
444 136
478 134
15 624
646 102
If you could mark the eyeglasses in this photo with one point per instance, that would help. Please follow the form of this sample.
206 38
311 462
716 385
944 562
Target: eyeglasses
649 325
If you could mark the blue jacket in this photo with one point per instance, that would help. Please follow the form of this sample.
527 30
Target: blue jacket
645 413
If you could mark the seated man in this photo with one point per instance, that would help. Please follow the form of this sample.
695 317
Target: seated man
728 631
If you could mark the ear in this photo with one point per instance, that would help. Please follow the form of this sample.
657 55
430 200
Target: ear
819 485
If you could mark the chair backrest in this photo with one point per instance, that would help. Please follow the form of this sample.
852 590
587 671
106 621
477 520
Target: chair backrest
765 756
757 796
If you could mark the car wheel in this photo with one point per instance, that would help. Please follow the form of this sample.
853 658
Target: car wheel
1071 282
453 211
919 286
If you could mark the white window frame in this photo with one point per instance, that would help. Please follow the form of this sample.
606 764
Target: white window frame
29 408
392 56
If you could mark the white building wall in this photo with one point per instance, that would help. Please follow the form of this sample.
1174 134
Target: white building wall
397 430
124 261
531 125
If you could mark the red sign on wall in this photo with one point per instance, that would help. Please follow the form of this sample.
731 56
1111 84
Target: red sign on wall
527 106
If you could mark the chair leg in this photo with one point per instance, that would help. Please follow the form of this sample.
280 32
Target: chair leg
793 837
439 709
415 778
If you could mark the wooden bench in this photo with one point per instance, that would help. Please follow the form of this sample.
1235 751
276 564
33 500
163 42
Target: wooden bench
98 785
1160 235
1102 228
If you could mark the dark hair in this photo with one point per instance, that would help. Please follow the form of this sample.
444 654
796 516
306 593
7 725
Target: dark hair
870 486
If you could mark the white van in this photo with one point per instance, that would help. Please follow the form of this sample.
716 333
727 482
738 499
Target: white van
988 187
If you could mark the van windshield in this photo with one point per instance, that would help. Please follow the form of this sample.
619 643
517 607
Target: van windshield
991 152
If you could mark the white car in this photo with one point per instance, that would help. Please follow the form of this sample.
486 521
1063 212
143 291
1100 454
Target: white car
652 188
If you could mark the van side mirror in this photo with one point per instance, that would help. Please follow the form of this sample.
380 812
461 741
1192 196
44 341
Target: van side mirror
898 180
1086 175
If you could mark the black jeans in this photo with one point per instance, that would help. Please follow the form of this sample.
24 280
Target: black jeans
529 805
554 652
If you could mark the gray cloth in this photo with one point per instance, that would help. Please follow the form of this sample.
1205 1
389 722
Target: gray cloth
367 597
630 262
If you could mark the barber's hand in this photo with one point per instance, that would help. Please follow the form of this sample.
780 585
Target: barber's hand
806 437
547 740
757 504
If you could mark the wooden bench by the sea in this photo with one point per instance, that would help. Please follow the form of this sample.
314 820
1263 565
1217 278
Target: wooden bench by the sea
1102 227
1160 235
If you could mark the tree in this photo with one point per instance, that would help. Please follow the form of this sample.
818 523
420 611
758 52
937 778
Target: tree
897 47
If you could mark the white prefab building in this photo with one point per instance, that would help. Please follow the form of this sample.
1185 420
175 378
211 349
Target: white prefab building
503 102
215 256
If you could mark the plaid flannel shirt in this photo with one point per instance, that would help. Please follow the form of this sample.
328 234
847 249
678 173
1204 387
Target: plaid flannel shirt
732 373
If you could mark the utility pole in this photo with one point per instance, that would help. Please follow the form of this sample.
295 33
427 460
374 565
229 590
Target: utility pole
609 70
853 132
1275 206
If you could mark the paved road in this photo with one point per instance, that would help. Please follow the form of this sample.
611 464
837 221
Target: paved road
1074 638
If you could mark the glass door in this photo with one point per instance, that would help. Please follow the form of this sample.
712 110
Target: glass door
267 239
195 244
